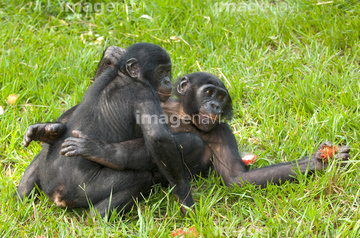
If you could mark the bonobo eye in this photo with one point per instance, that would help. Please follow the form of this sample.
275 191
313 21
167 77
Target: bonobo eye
160 71
163 71
208 92
221 97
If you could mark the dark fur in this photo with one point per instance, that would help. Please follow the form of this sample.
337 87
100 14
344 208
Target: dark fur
216 148
107 113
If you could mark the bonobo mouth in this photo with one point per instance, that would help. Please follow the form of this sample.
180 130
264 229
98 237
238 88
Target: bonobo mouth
212 116
206 121
163 96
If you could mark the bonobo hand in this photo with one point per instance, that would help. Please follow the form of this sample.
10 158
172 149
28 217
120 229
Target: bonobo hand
80 145
324 153
45 132
112 55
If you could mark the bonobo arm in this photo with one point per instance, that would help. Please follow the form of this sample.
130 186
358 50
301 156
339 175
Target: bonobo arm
130 154
230 167
163 148
48 132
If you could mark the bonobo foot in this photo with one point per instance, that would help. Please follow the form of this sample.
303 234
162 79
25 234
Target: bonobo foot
44 132
325 152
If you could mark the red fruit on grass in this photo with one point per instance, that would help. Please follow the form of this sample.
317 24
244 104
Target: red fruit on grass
177 232
249 159
327 152
181 233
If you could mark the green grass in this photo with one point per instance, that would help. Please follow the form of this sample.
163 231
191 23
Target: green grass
291 67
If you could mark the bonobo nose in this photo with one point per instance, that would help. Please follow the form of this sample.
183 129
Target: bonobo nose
167 84
216 107
167 80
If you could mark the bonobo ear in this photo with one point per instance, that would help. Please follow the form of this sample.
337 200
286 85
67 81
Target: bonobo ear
132 68
183 85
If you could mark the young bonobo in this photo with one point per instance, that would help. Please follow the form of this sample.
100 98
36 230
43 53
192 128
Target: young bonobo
108 112
205 142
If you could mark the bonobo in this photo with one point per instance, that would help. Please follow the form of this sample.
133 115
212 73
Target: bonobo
202 100
206 142
108 113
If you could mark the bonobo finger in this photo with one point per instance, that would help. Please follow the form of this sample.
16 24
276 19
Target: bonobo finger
27 137
71 153
68 142
30 131
26 142
64 150
50 128
342 156
344 149
68 151
326 143
78 134
118 53
72 141
54 129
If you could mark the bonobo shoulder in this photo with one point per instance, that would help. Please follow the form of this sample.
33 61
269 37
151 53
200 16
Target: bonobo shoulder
124 83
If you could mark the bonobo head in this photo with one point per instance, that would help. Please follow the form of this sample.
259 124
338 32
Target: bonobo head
148 62
204 98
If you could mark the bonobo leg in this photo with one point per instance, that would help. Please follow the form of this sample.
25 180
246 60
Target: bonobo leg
48 132
279 173
51 132
30 178
138 185
111 189
134 155
44 132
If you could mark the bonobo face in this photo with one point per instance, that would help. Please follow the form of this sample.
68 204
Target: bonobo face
162 82
151 63
204 98
212 101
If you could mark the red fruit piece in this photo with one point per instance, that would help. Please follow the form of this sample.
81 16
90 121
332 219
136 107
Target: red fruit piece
177 232
327 152
181 233
249 159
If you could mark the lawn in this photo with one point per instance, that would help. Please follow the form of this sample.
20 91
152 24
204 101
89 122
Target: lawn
292 70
